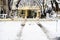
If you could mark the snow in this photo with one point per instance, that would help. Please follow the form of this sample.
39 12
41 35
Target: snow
58 28
50 27
31 31
8 30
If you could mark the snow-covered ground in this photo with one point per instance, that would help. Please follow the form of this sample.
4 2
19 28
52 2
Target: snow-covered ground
58 28
9 30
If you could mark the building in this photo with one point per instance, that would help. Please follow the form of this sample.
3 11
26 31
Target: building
27 9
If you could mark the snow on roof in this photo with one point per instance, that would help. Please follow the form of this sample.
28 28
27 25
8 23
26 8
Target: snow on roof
30 2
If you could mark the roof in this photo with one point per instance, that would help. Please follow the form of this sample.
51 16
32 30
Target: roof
29 8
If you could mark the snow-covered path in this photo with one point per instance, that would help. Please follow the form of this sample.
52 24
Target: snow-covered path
31 31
